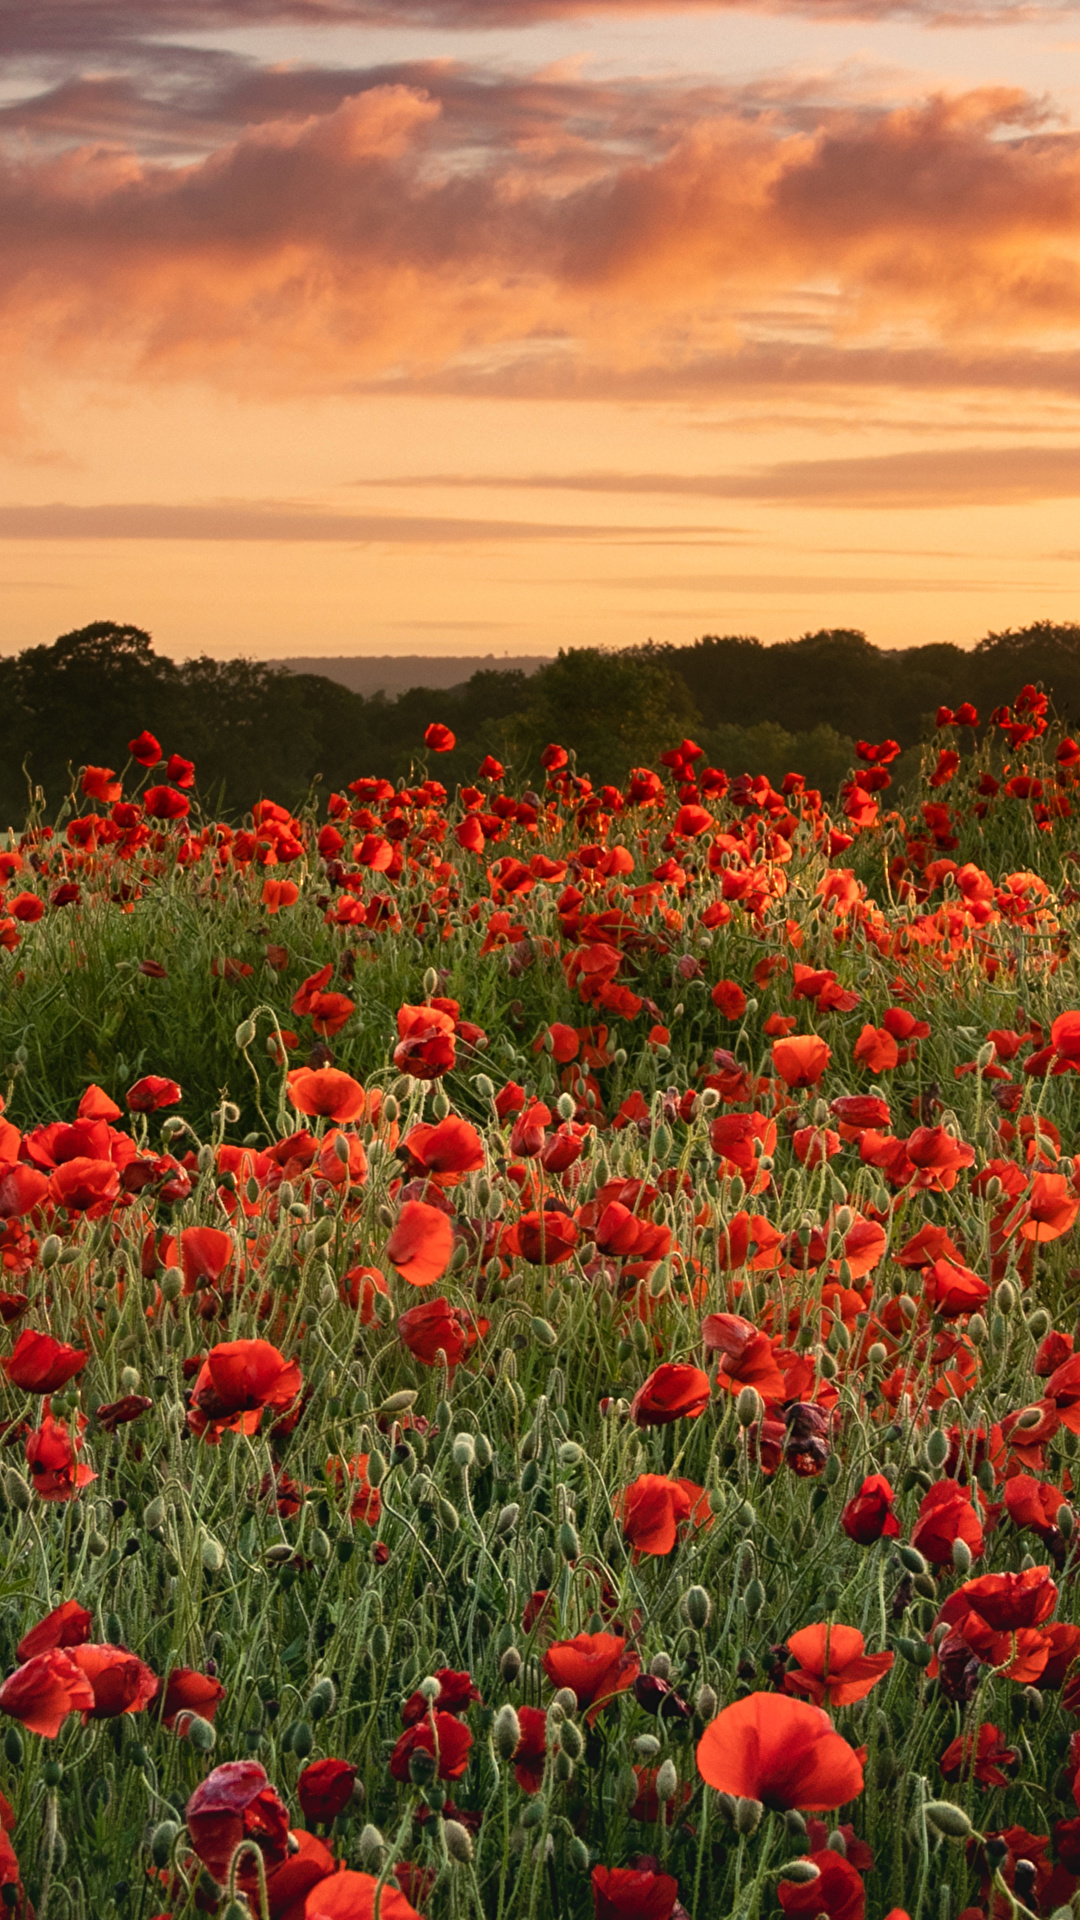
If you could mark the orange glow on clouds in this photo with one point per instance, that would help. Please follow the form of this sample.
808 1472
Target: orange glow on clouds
463 354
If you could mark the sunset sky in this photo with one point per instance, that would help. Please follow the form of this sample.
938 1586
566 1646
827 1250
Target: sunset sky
504 325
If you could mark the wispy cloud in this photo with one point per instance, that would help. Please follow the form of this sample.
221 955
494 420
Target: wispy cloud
238 520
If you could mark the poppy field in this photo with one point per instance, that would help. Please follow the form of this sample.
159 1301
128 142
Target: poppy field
539 1371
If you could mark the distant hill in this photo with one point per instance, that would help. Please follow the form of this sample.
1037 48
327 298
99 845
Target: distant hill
394 673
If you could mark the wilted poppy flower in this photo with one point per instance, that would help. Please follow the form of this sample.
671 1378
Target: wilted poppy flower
324 1789
868 1515
833 1666
595 1666
236 1802
351 1896
838 1892
633 1893
41 1693
119 1413
151 1093
121 1682
652 1509
946 1514
188 1691
670 1393
780 1751
326 1093
68 1625
421 1243
449 1738
40 1364
982 1758
51 1453
236 1382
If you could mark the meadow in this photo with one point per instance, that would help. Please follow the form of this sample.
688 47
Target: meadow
539 1374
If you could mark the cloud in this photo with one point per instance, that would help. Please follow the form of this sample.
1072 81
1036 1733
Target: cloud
931 476
240 520
441 229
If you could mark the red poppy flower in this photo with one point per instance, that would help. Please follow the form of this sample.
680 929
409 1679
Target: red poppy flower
365 1500
670 1393
51 1451
26 907
868 1515
188 1691
288 1885
40 1364
446 1150
421 1243
206 1254
426 1045
652 1509
68 1625
439 738
838 1891
544 1239
1051 1209
145 749
436 1326
121 1682
151 1093
833 1665
236 1802
946 1514
801 1060
100 783
82 1185
41 1693
531 1749
166 803
351 1896
236 1382
326 1093
595 1666
448 1738
324 1789
983 1759
748 1356
119 1413
1006 1601
782 1752
633 1893
180 770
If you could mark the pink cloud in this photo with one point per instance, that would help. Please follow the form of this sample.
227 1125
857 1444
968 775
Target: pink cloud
409 232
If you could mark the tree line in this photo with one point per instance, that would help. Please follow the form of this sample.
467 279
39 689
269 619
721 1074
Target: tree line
253 728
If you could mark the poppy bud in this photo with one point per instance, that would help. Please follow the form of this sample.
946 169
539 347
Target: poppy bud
877 1354
564 1106
161 1841
171 1283
245 1034
1039 1323
754 1599
199 1734
836 1843
449 1515
212 1554
647 1746
1005 1297
51 1249
748 1815
566 1700
581 1859
1066 1521
544 1332
1033 1703
936 1450
911 1559
371 1847
484 1086
795 1823
697 1607
458 1842
947 1818
320 1700
564 1767
667 1782
961 1556
800 1872
749 1406
463 1452
17 1492
570 1740
977 1330
506 1732
827 1366
13 1746
569 1544
431 982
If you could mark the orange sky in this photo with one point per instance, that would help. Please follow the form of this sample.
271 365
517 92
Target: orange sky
502 325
